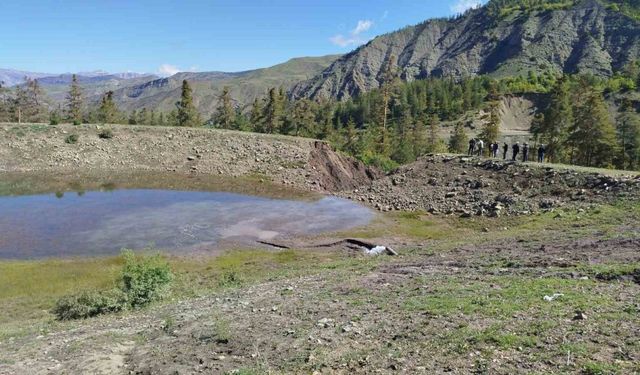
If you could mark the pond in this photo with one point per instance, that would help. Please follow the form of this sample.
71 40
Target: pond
93 223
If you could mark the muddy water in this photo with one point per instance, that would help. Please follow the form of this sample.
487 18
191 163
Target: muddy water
104 222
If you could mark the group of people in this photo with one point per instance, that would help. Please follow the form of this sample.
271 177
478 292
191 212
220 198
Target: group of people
476 147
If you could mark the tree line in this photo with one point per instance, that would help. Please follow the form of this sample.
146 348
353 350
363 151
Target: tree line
399 121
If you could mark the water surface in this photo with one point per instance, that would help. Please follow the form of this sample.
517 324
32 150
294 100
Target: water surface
104 222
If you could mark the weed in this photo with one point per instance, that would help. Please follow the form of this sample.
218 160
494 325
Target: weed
71 139
105 134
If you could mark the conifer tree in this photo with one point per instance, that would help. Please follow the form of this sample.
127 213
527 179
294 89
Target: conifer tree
108 111
187 114
225 115
593 136
628 134
255 117
558 119
273 112
74 102
491 128
434 143
458 141
389 81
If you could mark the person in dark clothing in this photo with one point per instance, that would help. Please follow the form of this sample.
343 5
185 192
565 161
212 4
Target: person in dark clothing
516 150
525 152
472 146
541 151
505 148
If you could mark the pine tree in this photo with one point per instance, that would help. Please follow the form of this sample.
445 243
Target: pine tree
491 129
628 134
256 116
458 141
187 113
133 118
273 112
108 111
350 137
225 115
74 102
434 143
389 81
593 136
558 119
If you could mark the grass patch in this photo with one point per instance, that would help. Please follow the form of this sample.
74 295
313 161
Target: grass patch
503 297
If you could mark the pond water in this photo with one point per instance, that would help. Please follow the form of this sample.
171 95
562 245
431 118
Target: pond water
104 222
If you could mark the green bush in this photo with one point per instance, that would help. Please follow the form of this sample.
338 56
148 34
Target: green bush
72 139
145 279
105 134
88 304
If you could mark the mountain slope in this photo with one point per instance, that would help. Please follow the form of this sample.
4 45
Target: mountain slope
586 37
12 77
57 86
162 94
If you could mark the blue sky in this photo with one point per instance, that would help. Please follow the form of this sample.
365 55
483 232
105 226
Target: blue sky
163 36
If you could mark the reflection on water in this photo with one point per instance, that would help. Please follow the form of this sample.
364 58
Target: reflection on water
103 222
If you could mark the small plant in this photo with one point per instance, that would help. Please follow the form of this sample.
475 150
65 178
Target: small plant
168 325
88 304
144 279
54 118
77 122
72 139
105 134
230 279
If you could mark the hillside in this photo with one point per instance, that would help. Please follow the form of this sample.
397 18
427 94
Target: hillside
56 87
588 37
161 94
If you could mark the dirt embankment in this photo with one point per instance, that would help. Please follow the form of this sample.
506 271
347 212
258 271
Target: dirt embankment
464 186
297 162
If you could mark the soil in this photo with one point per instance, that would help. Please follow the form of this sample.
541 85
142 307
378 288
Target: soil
472 186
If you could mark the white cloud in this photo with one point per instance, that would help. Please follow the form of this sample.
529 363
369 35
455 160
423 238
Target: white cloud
385 15
362 27
167 70
354 37
462 6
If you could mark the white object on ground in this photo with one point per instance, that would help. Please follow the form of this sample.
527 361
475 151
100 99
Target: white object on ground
552 297
376 250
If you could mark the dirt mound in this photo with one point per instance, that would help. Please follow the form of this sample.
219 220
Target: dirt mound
299 162
472 186
337 172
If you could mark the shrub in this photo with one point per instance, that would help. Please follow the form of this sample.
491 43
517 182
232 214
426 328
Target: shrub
105 134
71 139
88 304
77 122
144 279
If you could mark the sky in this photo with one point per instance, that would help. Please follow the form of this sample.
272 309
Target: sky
165 36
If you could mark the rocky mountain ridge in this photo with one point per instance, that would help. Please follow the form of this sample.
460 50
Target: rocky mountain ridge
588 37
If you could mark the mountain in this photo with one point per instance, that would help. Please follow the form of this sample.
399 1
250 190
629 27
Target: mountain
11 77
93 84
584 36
162 94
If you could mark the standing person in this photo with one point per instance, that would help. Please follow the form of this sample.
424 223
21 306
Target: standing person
505 148
525 152
495 148
516 150
472 146
480 145
541 151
